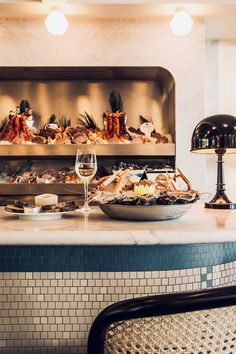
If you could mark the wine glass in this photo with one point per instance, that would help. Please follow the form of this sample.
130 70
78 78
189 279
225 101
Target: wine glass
86 168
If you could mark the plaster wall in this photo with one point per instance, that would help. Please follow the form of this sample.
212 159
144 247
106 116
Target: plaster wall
220 98
121 42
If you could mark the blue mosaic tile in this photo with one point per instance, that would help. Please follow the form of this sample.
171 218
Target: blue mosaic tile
209 269
209 284
115 258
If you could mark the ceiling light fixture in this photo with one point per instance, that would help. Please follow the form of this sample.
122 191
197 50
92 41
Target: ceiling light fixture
181 24
56 23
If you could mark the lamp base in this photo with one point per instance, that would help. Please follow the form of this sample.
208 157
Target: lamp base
220 201
220 206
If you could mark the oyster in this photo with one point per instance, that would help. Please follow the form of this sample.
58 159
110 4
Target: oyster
164 198
60 207
24 207
16 206
161 192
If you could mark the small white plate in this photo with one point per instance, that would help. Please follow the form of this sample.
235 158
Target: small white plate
40 216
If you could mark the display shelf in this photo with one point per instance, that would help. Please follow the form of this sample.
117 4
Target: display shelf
36 189
54 150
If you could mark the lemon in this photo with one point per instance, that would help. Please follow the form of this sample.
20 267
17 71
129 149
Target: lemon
143 190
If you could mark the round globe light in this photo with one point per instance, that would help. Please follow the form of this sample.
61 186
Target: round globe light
56 23
181 24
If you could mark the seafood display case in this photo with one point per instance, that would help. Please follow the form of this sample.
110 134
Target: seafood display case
127 113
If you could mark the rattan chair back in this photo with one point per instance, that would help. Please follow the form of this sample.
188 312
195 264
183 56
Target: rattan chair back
206 332
202 322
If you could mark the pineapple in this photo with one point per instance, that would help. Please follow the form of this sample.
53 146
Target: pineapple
116 102
64 122
87 121
115 121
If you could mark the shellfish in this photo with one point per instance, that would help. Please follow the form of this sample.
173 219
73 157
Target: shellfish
164 190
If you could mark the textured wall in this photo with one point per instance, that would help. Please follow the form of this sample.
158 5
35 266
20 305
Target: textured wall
220 75
227 104
211 105
121 42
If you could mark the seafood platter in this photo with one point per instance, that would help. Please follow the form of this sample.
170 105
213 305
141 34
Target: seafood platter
25 174
29 211
20 128
45 146
33 177
167 197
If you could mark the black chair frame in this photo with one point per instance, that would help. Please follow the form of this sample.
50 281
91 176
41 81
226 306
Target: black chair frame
156 305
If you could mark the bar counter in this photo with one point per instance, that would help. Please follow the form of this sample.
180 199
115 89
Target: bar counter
198 225
57 275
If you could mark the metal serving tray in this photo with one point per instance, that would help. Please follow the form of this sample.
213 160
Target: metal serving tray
145 212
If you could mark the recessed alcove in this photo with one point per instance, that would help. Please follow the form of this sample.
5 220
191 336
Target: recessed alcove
146 91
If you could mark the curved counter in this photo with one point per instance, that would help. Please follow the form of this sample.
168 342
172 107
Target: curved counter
198 225
56 275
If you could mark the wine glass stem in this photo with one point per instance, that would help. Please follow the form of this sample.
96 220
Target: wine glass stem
86 194
86 214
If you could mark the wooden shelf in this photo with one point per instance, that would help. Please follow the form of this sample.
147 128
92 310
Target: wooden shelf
57 151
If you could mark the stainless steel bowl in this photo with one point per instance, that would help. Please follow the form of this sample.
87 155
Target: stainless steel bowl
145 212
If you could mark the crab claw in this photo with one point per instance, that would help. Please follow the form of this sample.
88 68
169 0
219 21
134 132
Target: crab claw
105 181
185 179
120 182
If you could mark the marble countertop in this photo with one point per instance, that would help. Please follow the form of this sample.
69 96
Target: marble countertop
198 225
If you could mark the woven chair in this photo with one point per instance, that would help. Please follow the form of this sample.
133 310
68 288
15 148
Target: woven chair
201 322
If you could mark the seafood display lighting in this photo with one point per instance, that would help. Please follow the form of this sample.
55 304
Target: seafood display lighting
56 23
216 135
181 24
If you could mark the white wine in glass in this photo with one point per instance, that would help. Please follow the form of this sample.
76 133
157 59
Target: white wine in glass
86 168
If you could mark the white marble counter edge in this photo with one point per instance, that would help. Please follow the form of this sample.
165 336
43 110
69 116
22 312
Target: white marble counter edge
114 238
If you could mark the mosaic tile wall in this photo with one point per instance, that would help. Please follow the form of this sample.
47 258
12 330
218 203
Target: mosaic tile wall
51 312
114 258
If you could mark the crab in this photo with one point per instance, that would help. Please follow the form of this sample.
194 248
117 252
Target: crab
118 177
166 182
163 182
118 189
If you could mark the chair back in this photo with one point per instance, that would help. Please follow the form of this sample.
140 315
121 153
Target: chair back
201 322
